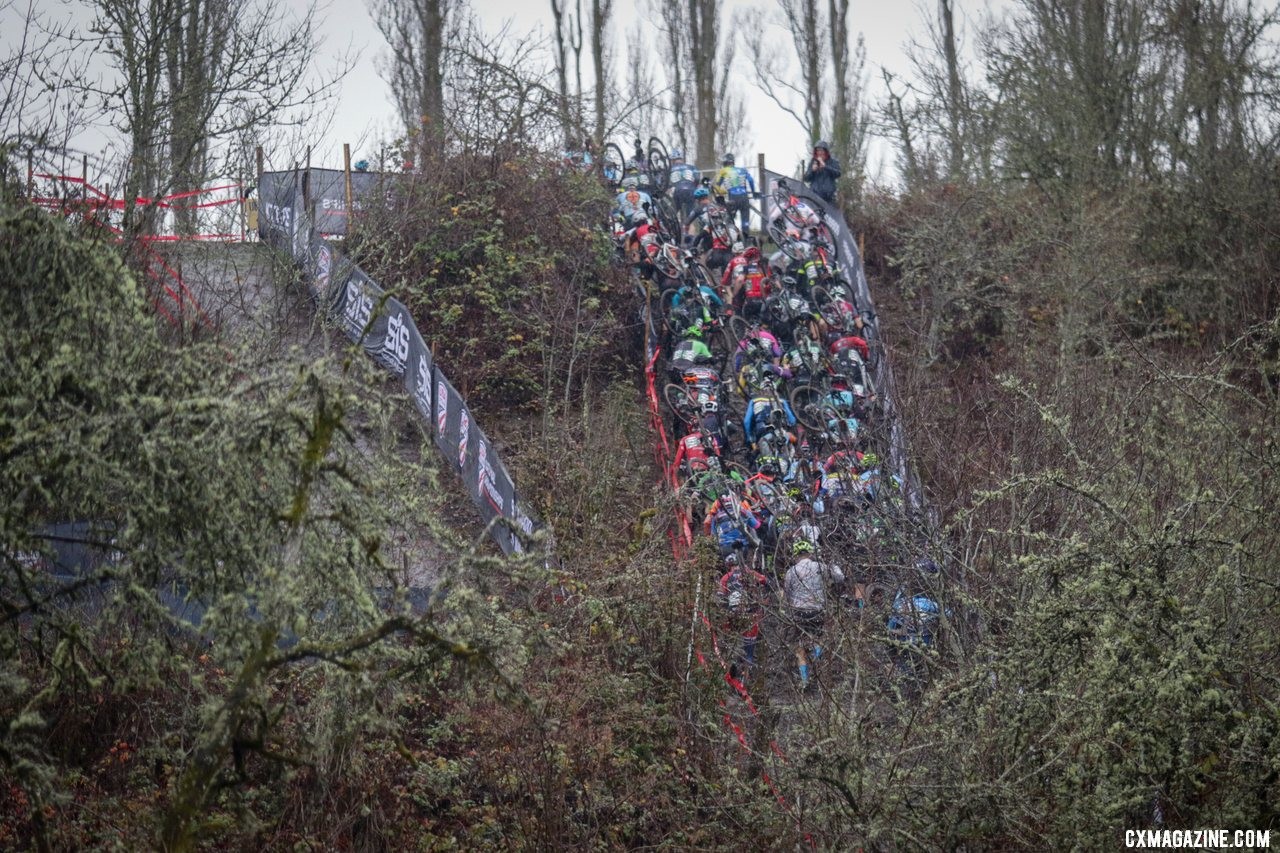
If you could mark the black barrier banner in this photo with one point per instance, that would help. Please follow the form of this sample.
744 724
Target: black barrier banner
361 295
328 192
393 352
418 376
385 329
321 265
449 407
279 205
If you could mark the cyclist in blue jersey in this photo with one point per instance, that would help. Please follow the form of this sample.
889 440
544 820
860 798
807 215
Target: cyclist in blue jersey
630 201
684 180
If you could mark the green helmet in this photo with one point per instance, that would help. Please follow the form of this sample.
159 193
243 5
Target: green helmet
802 546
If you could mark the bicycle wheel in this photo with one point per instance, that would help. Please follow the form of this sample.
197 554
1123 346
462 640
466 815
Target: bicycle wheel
780 200
820 297
613 165
809 403
659 165
840 290
666 213
778 234
822 236
738 328
678 401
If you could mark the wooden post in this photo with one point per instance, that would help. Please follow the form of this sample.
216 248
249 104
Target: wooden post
346 173
31 175
259 156
862 246
306 185
763 188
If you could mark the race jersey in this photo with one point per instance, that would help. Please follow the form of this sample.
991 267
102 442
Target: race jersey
683 175
751 272
735 181
691 450
846 342
805 586
631 202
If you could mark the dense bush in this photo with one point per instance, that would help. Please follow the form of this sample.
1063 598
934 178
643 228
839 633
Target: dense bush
511 283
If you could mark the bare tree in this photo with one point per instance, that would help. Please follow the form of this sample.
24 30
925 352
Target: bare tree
675 53
600 13
560 51
641 88
191 75
495 100
954 104
825 95
704 39
772 71
38 107
415 30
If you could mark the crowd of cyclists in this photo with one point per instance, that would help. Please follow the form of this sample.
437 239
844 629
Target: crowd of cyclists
768 386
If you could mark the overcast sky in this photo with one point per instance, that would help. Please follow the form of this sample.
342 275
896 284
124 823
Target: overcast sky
364 115
364 110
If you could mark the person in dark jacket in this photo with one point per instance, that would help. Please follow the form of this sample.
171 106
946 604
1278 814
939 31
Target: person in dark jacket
823 171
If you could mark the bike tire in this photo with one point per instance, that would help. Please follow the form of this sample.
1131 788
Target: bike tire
613 165
820 297
666 213
677 399
778 234
822 234
808 404
659 164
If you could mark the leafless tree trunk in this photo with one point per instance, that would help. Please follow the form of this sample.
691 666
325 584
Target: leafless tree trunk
801 96
600 12
676 54
703 16
562 72
849 118
576 43
415 31
955 90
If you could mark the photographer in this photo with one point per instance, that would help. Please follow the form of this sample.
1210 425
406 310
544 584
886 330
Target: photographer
822 172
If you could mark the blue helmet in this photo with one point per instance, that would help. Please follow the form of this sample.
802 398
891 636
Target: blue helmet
677 153
701 192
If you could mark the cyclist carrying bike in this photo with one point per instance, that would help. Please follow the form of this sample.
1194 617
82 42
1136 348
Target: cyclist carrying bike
766 408
806 592
732 522
695 452
742 593
631 201
746 281
736 186
759 346
684 181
